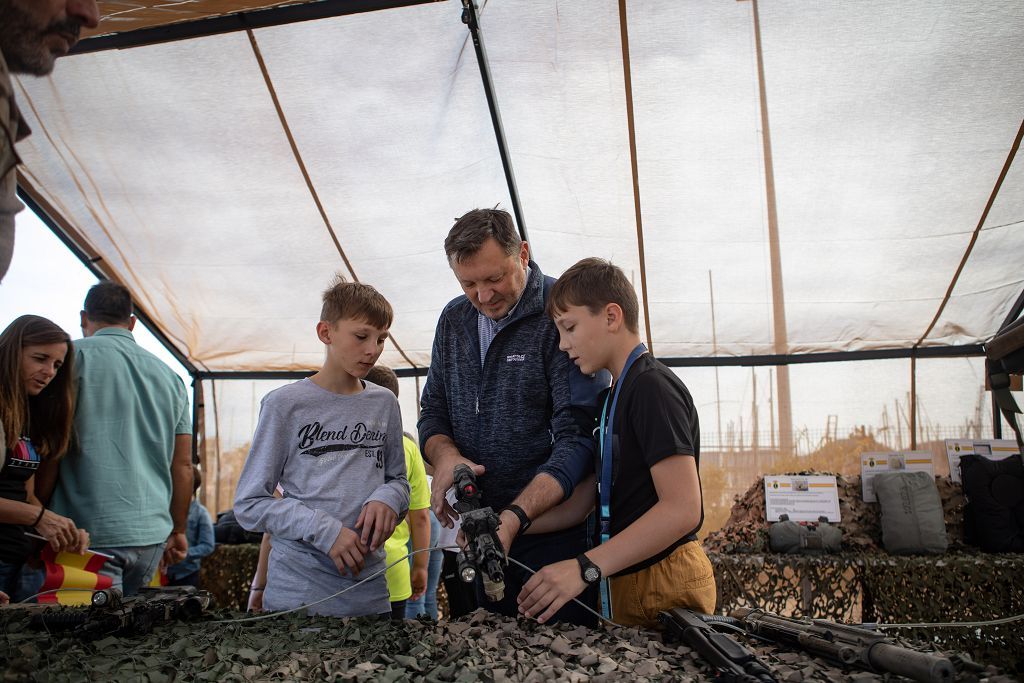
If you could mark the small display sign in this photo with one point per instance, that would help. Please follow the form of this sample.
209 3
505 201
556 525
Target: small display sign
872 464
993 449
803 498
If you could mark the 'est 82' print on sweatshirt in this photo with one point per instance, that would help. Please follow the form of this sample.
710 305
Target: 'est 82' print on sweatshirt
331 454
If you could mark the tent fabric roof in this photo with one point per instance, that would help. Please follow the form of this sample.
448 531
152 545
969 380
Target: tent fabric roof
889 124
118 16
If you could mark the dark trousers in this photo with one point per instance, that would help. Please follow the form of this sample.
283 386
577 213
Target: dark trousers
397 610
461 595
187 580
538 551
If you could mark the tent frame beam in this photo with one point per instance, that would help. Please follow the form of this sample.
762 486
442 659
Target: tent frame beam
240 21
959 351
997 414
90 264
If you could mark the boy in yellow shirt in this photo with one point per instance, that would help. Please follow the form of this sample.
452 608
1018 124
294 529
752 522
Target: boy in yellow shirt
404 583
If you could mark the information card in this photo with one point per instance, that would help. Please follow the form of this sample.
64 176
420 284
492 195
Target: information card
872 464
803 498
993 449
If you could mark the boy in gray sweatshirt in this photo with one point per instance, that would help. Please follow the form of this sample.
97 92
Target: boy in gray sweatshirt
333 444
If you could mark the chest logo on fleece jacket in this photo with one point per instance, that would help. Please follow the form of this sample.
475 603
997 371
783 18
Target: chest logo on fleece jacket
348 438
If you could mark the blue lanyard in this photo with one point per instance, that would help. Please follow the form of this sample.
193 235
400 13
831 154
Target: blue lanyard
604 486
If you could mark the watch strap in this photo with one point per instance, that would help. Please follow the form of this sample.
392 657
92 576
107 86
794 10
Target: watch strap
587 565
524 520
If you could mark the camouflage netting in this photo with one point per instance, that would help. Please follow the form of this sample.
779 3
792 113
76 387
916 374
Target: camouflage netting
866 584
228 572
480 647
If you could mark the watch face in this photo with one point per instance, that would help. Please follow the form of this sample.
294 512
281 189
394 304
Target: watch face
590 575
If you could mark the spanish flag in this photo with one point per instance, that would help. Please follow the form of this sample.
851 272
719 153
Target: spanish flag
70 570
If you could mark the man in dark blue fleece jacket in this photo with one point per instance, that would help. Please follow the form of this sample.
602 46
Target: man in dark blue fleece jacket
503 398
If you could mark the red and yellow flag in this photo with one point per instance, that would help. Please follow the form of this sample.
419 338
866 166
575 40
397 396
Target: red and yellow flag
71 570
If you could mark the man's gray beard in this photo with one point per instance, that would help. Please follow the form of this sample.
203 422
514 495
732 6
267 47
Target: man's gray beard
22 43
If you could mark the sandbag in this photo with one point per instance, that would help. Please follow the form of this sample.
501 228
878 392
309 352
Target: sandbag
786 536
227 531
994 516
911 513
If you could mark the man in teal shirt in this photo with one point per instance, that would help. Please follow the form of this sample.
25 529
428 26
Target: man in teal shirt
128 477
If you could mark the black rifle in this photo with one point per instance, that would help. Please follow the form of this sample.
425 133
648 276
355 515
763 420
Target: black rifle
113 614
483 555
732 662
849 645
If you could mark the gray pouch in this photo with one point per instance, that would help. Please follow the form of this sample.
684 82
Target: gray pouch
788 537
911 513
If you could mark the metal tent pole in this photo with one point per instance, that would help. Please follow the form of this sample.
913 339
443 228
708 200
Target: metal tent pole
472 21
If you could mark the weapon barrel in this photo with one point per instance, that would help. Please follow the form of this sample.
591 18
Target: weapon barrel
920 666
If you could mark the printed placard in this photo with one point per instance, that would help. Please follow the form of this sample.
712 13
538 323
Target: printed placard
872 464
803 498
993 449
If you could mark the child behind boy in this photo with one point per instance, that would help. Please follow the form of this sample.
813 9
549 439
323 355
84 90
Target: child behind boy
407 579
651 507
334 444
200 539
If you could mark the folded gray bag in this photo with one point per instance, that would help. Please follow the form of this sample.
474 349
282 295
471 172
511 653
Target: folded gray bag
788 537
911 513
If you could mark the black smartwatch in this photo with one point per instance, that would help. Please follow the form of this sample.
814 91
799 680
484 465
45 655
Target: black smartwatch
590 572
524 521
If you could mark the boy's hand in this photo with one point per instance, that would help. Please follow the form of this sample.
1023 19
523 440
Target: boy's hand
348 552
376 521
550 588
255 601
419 582
444 479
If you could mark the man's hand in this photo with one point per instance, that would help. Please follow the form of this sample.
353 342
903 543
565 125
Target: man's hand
348 552
4 599
62 534
176 548
377 522
550 588
419 582
444 479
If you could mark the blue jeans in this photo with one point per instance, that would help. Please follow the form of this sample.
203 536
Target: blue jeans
428 603
132 566
20 581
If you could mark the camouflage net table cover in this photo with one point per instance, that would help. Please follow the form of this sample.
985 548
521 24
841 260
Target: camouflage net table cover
479 647
865 584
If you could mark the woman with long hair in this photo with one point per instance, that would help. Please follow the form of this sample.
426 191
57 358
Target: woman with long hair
36 411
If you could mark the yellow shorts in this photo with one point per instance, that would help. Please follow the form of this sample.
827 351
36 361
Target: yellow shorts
683 579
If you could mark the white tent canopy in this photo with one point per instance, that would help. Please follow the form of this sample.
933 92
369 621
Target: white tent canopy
225 178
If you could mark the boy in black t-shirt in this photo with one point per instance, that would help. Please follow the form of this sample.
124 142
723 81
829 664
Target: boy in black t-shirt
651 509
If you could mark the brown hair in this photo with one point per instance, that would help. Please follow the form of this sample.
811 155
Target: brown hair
355 301
383 376
46 418
475 227
594 283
